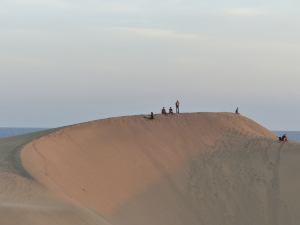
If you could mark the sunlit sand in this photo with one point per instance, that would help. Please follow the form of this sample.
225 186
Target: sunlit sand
184 169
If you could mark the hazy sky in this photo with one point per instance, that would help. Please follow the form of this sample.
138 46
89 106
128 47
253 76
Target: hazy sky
65 62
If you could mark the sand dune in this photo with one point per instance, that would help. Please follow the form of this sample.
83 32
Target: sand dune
198 168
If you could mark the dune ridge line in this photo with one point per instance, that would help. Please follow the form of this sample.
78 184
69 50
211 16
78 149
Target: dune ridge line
113 166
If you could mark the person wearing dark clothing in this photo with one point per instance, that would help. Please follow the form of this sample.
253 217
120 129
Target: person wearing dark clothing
163 111
237 111
177 106
151 116
284 138
170 110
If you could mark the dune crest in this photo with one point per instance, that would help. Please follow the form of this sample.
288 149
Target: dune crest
198 168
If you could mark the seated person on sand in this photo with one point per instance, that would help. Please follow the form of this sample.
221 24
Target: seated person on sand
284 138
237 111
170 110
151 116
163 111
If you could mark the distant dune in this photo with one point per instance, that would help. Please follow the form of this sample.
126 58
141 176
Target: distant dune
182 169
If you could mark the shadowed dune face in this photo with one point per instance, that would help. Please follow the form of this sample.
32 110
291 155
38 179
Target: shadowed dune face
215 168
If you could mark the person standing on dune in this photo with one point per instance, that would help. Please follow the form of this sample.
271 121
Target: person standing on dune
177 106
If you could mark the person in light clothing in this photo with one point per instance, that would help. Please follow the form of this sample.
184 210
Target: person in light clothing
177 106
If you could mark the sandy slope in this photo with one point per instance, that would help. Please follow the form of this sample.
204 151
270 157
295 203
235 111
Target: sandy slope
199 168
23 200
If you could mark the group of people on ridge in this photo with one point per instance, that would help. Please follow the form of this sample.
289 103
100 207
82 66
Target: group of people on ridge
163 111
283 139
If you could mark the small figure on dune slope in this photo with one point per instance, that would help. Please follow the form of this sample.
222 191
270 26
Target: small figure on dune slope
163 111
151 116
170 110
284 138
237 111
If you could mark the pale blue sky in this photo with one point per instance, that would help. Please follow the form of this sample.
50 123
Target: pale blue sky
65 62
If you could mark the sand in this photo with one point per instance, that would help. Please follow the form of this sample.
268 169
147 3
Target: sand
197 168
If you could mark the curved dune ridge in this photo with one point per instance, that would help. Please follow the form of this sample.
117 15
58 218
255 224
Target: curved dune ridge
197 168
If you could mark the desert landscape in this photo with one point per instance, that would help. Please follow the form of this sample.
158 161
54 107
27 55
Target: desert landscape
182 169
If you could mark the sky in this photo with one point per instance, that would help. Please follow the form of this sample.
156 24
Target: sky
64 62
